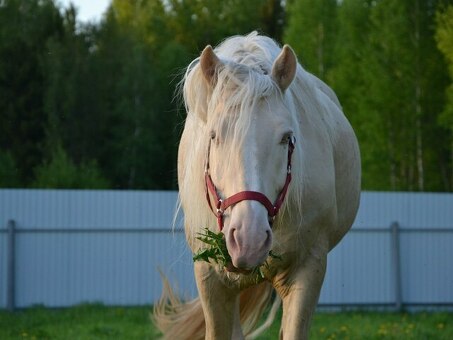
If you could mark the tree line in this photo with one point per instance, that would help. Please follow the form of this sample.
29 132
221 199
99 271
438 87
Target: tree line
92 105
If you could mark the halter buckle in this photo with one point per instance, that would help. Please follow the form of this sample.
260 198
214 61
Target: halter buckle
219 209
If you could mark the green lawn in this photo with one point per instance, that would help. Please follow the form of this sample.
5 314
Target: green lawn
99 322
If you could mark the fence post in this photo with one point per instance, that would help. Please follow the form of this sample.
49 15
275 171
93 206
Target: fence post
396 261
11 269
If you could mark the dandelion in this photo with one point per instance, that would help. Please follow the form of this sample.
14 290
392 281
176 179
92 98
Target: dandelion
382 329
218 252
440 325
344 328
322 330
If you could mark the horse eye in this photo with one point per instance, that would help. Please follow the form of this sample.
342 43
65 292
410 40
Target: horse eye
212 134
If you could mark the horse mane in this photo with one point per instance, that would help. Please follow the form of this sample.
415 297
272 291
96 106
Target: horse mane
243 81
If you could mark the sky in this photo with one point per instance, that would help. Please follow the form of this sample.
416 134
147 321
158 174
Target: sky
88 10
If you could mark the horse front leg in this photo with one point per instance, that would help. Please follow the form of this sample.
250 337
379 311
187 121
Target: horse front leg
220 304
300 295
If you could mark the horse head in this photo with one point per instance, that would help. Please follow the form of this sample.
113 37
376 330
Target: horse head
250 131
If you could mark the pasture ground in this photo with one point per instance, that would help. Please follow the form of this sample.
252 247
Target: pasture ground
99 322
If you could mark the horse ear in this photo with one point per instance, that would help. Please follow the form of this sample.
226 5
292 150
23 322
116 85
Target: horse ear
284 68
209 63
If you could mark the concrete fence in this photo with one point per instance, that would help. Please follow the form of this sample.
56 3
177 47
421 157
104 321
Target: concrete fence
64 247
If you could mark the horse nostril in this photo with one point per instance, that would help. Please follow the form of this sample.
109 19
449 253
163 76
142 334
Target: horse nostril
268 241
271 221
232 238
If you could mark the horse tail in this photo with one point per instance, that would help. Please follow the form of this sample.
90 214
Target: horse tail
269 320
253 303
185 320
177 319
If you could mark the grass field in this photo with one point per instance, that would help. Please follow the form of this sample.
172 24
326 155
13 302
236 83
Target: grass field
99 322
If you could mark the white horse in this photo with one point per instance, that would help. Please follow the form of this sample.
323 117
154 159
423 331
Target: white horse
249 104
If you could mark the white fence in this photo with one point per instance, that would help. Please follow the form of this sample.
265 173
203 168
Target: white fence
63 247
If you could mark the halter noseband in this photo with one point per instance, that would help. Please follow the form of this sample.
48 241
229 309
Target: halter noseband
223 204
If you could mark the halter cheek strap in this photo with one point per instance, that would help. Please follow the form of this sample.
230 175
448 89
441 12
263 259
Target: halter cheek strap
223 204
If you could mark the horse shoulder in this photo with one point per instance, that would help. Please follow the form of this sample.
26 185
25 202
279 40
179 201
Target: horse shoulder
341 164
346 156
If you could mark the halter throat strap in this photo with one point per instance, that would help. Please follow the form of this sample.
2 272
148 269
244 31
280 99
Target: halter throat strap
223 204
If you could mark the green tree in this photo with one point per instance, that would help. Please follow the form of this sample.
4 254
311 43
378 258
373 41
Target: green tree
25 28
404 73
349 79
60 172
390 78
195 24
74 99
444 38
9 177
105 92
140 149
311 31
98 98
107 98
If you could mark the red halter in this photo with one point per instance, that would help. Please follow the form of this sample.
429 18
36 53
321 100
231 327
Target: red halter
223 204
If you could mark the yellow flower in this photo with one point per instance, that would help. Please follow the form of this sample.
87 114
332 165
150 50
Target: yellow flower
343 328
440 325
383 329
322 329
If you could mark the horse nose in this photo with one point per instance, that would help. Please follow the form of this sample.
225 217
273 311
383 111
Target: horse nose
248 246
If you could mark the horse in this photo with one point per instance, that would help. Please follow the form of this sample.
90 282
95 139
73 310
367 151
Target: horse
268 158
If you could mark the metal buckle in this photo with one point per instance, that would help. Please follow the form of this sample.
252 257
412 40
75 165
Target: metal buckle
219 204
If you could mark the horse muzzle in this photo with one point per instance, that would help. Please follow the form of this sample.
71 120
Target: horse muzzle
248 244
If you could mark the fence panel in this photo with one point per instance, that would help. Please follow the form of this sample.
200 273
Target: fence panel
351 280
106 246
427 256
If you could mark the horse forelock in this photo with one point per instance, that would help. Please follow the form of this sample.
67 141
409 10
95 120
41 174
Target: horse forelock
241 82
